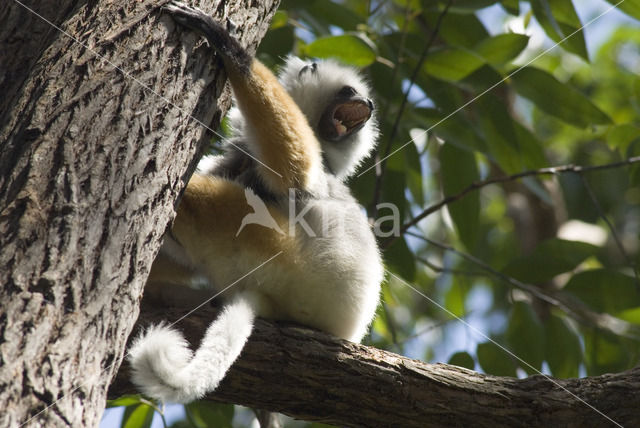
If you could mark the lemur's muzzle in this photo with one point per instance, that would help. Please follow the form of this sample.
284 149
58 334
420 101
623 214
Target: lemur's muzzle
344 117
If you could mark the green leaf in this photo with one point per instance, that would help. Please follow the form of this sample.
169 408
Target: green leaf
414 174
560 21
382 78
410 4
456 294
462 30
525 337
410 44
499 132
562 348
277 43
459 170
462 359
203 414
400 259
634 170
139 416
502 48
481 79
395 178
363 186
469 6
511 6
550 258
348 48
452 64
630 315
605 290
334 13
557 99
125 400
621 136
605 353
630 7
531 148
302 14
280 19
495 360
455 129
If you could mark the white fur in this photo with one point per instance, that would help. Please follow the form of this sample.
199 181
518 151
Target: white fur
208 163
165 368
313 92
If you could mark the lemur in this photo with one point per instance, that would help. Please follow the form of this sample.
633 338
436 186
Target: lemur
304 135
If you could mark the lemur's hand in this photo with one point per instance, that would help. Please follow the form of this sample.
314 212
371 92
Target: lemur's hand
233 54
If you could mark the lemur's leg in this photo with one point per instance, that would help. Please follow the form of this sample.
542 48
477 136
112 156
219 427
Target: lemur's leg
279 133
211 210
209 218
209 227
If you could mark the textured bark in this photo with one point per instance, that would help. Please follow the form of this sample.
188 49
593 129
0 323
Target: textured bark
310 375
89 175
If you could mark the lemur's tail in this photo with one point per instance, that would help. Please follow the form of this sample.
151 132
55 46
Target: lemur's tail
166 369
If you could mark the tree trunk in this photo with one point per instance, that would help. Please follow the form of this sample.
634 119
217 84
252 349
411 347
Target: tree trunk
96 144
310 375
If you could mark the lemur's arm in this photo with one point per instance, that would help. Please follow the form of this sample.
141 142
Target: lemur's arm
283 141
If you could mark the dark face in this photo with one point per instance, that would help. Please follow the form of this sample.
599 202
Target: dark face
346 114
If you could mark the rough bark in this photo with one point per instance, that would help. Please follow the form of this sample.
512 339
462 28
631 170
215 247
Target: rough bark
89 175
310 375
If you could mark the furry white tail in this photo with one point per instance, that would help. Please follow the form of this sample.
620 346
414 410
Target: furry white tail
165 368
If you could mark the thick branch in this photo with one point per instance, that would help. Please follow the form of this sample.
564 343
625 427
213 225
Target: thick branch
312 376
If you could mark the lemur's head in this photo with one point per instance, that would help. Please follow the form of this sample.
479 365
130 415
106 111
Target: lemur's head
335 100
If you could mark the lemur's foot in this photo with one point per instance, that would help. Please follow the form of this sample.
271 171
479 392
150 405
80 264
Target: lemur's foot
188 16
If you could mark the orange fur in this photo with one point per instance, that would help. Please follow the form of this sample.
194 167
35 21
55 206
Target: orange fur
212 208
285 141
210 214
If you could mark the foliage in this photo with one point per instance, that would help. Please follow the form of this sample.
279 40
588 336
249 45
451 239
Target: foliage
481 103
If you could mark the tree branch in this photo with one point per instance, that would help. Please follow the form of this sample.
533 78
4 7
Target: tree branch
565 302
480 184
313 376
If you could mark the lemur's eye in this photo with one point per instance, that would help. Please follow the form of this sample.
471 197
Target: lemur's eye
313 67
347 92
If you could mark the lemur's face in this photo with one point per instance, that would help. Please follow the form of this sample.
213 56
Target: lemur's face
335 100
345 114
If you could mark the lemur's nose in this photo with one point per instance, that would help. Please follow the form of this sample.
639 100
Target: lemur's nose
347 92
